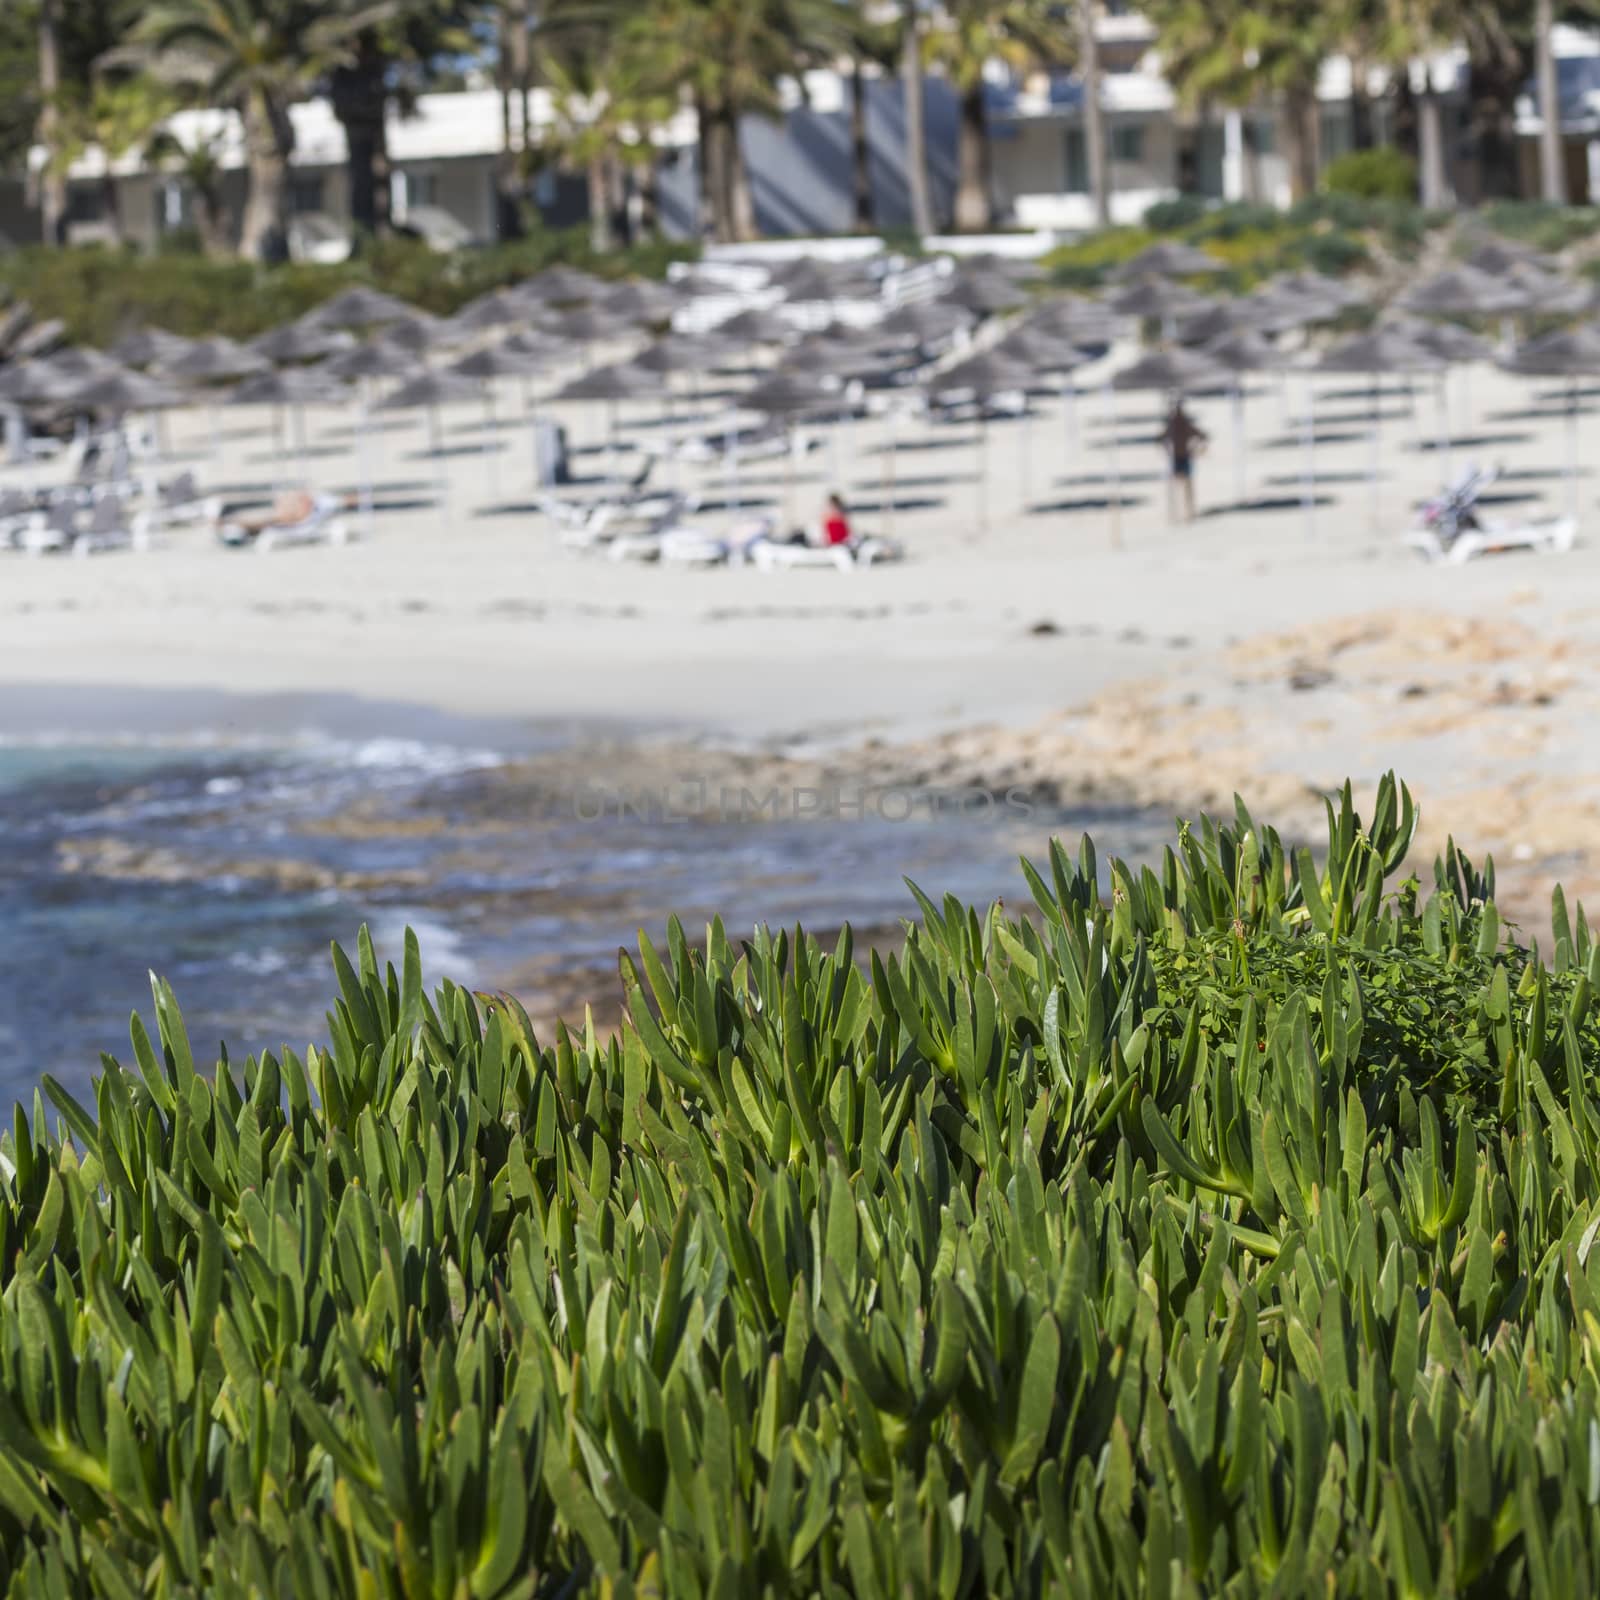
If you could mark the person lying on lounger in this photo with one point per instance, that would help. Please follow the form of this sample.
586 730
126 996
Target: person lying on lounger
288 510
833 529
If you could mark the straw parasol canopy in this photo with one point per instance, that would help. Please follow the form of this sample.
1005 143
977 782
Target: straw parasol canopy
560 285
497 361
114 394
415 332
1463 291
685 352
218 359
1042 351
80 361
807 279
925 321
990 372
757 326
150 347
290 386
1573 352
1501 257
538 346
301 341
791 394
1453 343
376 360
639 302
1169 259
1215 321
499 308
984 293
34 382
359 307
1172 372
621 380
427 389
1382 349
1156 297
1245 350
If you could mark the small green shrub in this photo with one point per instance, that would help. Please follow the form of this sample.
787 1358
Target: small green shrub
1382 173
100 293
1169 216
1541 224
1225 1227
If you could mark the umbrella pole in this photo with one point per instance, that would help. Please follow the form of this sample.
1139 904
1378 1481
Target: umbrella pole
888 474
1072 417
733 462
1026 463
302 449
1116 469
491 445
212 429
611 440
1373 489
1444 425
1308 488
983 468
277 451
1572 448
366 457
1238 442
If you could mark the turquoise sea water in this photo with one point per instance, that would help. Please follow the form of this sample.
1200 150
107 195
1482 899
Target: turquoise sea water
227 861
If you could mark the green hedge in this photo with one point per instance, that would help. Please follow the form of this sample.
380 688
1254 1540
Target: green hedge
1222 1227
101 293
1381 173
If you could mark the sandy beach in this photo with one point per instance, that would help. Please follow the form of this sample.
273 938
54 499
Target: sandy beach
1076 649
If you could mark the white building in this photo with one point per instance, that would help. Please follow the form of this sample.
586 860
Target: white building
444 157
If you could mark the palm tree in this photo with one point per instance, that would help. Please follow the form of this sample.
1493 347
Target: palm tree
53 184
916 129
727 57
1552 170
1236 51
389 50
1094 122
606 102
973 33
260 57
199 168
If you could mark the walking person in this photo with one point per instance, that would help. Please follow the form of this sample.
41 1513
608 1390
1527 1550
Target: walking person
1183 439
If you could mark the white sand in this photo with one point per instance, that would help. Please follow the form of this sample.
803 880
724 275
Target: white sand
487 614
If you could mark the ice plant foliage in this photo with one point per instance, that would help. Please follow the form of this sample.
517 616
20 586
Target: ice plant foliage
1222 1227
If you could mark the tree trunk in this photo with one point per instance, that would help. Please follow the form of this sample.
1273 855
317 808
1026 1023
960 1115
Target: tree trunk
1300 140
522 70
269 139
1433 175
208 223
649 189
1497 80
860 149
1360 107
508 170
741 198
916 124
974 200
1552 171
111 208
600 239
53 181
359 96
1094 124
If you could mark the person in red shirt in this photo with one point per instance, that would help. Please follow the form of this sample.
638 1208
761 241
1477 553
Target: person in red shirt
835 523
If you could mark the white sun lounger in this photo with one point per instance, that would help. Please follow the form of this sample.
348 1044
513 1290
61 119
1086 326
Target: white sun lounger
1548 536
109 528
866 552
321 525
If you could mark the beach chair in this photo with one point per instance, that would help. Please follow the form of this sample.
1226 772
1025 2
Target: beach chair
1493 537
633 522
17 510
867 551
50 531
321 525
108 528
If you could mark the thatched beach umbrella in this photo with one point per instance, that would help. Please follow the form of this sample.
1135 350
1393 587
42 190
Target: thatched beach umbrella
614 385
358 307
149 347
1169 259
640 303
292 388
983 376
1571 354
1463 292
786 396
925 322
499 308
561 285
758 326
427 392
301 341
1050 356
1240 352
984 293
1157 298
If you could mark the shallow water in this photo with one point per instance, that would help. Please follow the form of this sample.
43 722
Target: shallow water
226 862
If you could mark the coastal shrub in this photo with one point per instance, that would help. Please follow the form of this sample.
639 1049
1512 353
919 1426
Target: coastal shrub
1168 216
101 293
1223 1226
1540 223
1381 173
